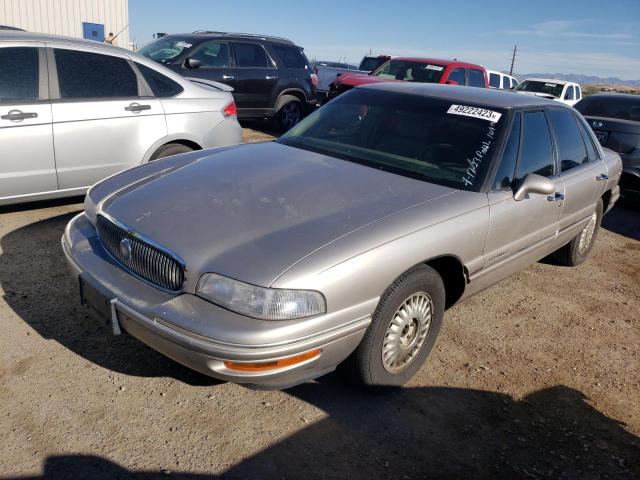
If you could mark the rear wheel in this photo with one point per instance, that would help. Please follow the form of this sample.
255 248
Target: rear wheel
577 250
403 329
169 150
290 113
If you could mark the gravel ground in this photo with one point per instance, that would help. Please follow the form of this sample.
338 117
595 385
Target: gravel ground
537 377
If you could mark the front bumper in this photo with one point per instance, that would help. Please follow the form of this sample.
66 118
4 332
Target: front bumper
159 320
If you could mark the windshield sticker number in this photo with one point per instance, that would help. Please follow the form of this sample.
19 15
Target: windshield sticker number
183 44
550 84
474 112
434 67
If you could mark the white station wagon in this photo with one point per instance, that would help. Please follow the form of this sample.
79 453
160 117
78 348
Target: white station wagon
73 112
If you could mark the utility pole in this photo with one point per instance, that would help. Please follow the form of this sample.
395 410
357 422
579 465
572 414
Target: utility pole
513 59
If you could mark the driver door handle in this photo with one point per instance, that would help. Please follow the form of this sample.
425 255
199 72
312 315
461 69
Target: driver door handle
18 115
557 197
602 177
136 107
269 77
228 77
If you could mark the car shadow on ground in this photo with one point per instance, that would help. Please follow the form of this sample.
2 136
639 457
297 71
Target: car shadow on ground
422 433
38 287
624 219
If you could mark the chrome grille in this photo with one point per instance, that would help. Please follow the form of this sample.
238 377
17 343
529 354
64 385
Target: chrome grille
140 257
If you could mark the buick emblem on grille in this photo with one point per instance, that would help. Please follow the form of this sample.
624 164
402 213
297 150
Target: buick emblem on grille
597 124
125 248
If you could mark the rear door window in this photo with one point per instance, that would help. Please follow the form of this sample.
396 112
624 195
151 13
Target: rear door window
18 74
291 57
494 80
213 54
571 147
93 75
476 77
251 55
536 153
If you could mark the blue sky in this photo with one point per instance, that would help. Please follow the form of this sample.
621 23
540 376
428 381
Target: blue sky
599 37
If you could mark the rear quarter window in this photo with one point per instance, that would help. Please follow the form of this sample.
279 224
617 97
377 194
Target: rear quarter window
160 85
290 57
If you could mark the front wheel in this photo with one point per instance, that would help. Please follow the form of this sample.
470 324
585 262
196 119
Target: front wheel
577 250
289 114
403 329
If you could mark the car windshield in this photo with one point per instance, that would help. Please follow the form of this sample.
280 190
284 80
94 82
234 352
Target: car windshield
624 108
410 71
165 49
550 88
431 139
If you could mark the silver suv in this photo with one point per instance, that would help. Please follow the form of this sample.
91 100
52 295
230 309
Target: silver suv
73 112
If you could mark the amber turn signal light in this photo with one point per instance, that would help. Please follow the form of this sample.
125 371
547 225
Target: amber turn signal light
272 365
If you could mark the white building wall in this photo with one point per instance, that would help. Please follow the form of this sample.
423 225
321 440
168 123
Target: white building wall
65 17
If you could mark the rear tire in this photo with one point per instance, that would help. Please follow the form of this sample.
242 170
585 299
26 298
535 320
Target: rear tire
577 250
290 112
403 329
169 150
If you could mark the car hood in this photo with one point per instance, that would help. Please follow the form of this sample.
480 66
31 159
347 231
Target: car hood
355 79
251 211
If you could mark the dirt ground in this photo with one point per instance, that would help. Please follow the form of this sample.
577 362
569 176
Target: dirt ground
537 377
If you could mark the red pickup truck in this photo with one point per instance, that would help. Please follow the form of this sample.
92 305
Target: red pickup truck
425 70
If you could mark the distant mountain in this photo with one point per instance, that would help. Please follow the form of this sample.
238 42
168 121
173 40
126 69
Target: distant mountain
582 79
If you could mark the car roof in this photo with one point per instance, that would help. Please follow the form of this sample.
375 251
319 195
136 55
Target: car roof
623 96
457 93
10 35
439 61
199 34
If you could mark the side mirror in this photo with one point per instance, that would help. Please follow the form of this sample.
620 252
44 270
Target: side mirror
191 63
533 183
452 82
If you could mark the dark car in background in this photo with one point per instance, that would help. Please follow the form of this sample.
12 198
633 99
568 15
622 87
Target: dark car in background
270 76
615 119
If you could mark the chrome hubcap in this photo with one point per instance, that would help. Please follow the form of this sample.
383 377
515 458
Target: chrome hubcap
407 332
587 234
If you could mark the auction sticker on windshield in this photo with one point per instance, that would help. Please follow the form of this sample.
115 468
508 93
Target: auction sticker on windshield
434 67
474 112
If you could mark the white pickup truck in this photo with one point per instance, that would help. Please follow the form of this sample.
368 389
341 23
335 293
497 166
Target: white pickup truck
559 90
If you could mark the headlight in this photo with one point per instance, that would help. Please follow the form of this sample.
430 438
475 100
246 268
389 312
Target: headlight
259 302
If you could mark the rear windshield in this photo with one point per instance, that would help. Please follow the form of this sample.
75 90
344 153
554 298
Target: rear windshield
627 108
431 139
410 71
165 49
550 88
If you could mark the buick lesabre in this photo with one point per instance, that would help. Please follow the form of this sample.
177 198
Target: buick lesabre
345 240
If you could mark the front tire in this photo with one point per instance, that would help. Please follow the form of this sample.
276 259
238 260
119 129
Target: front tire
403 329
290 113
577 250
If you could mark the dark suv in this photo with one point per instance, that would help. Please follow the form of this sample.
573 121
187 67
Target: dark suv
270 76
